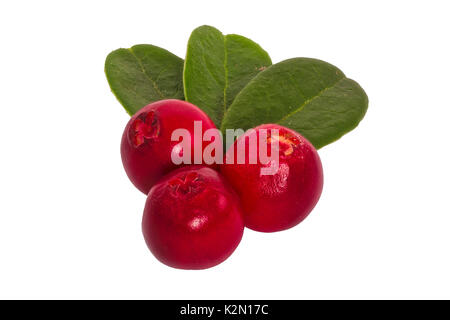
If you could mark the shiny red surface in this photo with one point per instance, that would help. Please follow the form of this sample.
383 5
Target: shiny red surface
146 142
192 219
277 202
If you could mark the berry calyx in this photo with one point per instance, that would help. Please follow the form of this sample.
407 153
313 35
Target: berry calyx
144 128
186 184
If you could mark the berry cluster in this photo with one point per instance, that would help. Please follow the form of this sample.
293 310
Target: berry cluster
195 215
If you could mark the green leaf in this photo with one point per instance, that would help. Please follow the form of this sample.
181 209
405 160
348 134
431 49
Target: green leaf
310 96
144 74
217 67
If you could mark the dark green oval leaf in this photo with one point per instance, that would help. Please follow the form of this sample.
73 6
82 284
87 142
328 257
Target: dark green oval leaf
144 74
217 67
310 96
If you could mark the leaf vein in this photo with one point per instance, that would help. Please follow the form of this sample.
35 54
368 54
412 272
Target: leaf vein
225 66
306 102
146 74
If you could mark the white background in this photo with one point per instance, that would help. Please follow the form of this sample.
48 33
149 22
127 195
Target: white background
70 219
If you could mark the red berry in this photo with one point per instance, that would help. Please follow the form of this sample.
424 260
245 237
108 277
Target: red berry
192 219
280 201
146 146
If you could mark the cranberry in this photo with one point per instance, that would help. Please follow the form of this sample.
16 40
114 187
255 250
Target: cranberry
192 219
282 200
146 146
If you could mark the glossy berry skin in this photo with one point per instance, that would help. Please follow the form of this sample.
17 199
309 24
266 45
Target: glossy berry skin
146 141
280 201
192 219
